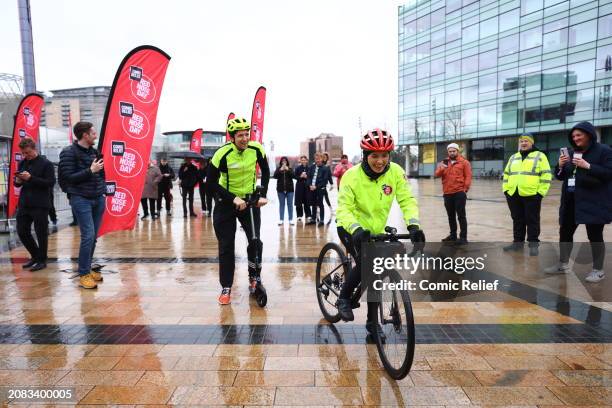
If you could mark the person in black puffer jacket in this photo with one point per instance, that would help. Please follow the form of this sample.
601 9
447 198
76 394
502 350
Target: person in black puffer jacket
188 174
36 178
586 196
81 170
284 189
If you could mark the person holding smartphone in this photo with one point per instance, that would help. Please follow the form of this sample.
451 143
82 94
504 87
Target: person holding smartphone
284 188
81 169
586 196
456 175
36 178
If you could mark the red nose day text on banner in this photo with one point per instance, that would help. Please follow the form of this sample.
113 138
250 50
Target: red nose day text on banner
127 133
229 117
26 124
257 115
196 141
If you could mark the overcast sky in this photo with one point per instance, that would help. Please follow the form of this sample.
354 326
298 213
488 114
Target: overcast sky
325 63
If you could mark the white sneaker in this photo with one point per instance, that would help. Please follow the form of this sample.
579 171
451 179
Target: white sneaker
595 276
280 222
291 222
560 268
299 219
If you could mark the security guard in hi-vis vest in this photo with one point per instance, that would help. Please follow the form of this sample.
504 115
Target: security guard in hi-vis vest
527 178
232 177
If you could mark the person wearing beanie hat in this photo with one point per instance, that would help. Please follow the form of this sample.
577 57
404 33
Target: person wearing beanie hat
456 175
527 179
586 196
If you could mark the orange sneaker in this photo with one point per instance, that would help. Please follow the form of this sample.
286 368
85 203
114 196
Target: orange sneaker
97 276
224 297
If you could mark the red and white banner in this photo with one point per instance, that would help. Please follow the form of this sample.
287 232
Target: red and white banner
229 117
127 133
257 115
27 120
196 141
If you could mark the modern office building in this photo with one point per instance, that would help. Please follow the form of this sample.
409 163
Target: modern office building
481 72
325 142
75 104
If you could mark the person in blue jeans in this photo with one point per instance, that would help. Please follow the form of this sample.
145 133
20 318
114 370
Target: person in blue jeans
81 169
284 189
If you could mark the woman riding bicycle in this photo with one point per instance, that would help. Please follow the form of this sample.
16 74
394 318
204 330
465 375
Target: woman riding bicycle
364 203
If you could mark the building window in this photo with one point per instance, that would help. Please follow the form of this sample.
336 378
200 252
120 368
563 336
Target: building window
509 20
605 26
469 65
423 70
555 41
437 38
453 32
438 17
469 34
469 95
422 51
488 27
509 115
487 83
582 33
530 6
531 38
554 78
487 60
410 28
604 58
507 80
423 24
487 149
452 5
453 68
581 72
508 45
437 66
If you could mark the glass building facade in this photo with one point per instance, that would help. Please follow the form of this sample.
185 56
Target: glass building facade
482 72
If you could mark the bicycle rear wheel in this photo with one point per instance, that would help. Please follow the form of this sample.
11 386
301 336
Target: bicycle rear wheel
397 321
332 270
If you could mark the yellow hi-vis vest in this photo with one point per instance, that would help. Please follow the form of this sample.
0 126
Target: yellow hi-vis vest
531 176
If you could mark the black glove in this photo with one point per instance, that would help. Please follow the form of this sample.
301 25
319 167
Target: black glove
417 236
360 236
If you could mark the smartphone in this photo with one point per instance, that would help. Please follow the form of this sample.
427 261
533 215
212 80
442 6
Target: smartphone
445 161
564 152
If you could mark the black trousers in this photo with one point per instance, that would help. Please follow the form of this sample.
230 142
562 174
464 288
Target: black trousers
151 204
52 213
166 195
455 209
316 201
205 197
525 212
566 236
354 275
25 218
224 222
301 207
326 196
187 194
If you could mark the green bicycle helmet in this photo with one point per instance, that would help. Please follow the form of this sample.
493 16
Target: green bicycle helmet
236 124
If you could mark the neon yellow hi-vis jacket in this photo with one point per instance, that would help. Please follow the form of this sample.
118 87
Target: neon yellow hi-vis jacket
232 173
531 176
365 203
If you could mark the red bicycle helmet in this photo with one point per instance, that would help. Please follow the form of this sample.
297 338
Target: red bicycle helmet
377 140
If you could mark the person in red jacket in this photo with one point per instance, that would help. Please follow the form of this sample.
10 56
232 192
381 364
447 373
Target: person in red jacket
456 174
341 168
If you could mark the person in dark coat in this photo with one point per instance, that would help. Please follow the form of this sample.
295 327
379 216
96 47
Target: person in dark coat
586 196
284 188
35 177
205 193
164 188
301 189
188 174
318 176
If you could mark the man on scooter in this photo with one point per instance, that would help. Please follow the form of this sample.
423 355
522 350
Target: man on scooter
232 177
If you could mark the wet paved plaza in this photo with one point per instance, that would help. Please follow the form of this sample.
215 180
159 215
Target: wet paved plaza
153 333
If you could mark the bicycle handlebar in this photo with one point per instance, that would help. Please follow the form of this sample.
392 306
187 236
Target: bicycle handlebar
389 235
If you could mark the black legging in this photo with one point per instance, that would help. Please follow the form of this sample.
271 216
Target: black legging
354 274
566 235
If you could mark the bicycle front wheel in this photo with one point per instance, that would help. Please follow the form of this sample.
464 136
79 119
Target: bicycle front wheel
396 349
332 271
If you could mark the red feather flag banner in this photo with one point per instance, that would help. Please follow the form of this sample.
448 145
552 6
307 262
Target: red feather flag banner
127 133
196 141
229 117
26 123
257 115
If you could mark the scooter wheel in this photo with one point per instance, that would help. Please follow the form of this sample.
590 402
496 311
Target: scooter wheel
262 300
